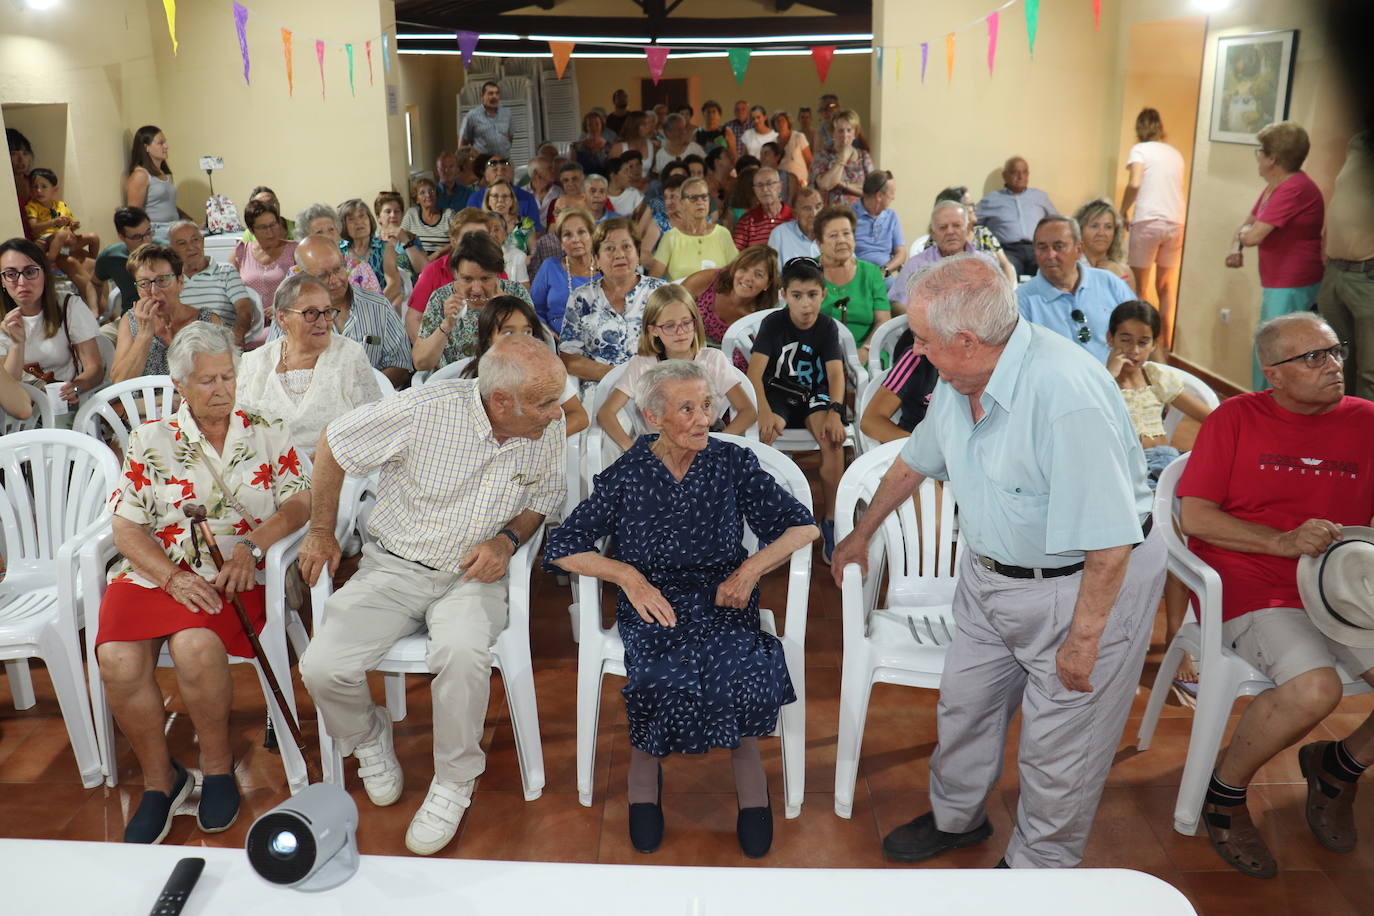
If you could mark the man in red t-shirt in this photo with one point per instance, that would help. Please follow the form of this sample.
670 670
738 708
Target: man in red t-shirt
754 227
1273 476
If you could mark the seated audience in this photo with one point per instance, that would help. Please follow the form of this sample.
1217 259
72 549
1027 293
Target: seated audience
309 375
695 244
840 168
622 175
558 276
797 238
54 226
322 220
500 198
153 322
720 180
438 272
1252 519
907 387
663 212
263 261
979 235
360 243
1104 238
724 295
549 244
517 262
794 152
210 285
452 192
759 131
677 143
673 330
878 235
1013 211
855 294
447 529
425 219
593 148
448 331
1066 296
133 229
797 369
713 132
50 338
597 190
542 187
167 589
605 317
949 236
702 672
756 225
265 194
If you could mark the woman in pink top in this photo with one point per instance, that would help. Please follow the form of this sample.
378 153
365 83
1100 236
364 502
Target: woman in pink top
264 262
1286 225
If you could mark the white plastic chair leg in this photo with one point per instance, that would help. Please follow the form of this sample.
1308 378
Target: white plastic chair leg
589 676
1216 696
64 668
793 719
292 758
856 685
1159 691
21 682
575 615
331 761
395 695
295 632
518 676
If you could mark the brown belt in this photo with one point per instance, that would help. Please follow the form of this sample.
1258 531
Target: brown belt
1362 267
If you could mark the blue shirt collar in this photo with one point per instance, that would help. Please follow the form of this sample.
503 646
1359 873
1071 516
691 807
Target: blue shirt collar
1001 387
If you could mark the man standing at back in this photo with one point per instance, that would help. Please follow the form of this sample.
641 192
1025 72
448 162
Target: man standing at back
1013 211
488 128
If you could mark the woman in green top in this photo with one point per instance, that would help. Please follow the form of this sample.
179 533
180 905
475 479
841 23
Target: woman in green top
855 294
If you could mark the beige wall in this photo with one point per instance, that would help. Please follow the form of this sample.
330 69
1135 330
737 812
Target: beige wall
431 83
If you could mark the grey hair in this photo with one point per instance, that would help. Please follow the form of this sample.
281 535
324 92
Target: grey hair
181 224
650 394
948 205
197 338
672 120
346 209
290 290
1270 334
595 177
1074 229
312 213
964 292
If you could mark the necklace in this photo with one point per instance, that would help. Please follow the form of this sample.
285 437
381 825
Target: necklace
296 382
568 271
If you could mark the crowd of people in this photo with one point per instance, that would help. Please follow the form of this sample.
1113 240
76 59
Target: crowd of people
1031 374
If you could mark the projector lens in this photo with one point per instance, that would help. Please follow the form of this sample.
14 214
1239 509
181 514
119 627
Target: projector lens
283 845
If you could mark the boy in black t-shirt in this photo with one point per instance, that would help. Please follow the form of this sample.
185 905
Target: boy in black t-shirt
797 368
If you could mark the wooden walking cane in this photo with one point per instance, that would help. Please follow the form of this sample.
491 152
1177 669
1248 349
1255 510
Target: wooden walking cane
197 516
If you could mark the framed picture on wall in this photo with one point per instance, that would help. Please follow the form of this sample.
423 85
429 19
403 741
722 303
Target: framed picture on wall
1254 74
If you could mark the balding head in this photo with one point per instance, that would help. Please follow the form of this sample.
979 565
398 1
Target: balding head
320 257
1275 337
1016 174
521 382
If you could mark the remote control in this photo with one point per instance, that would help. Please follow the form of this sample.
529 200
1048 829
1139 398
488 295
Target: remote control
178 887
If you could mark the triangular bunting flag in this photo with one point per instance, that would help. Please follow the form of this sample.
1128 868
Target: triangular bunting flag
1032 22
319 58
899 63
561 51
349 49
1097 14
286 48
367 46
170 6
467 43
992 38
658 58
386 52
949 57
925 54
739 62
878 52
822 55
241 24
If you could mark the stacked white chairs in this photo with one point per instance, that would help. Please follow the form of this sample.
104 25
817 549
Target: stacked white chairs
884 342
600 650
1198 389
55 484
903 639
510 654
115 410
39 418
1222 674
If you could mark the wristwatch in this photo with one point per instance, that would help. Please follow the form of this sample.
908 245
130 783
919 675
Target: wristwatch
254 550
514 538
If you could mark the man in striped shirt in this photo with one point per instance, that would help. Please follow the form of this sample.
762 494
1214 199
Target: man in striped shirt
210 284
467 470
754 227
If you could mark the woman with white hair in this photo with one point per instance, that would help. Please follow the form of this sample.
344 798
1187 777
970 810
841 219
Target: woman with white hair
309 375
243 470
321 219
701 672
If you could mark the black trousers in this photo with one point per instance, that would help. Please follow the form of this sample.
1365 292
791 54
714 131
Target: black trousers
1022 257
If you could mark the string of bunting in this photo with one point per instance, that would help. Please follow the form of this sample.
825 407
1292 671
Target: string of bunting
655 55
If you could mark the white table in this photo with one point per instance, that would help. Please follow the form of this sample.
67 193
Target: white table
54 878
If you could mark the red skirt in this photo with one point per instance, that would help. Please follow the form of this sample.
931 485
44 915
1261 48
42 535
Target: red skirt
131 613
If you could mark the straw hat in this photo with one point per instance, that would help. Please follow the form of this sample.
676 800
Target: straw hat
1337 588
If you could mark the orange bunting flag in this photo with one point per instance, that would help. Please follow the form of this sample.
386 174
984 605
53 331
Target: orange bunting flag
949 57
561 51
286 47
822 55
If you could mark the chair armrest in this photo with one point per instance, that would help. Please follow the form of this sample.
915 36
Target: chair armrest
854 613
280 556
518 573
70 559
798 597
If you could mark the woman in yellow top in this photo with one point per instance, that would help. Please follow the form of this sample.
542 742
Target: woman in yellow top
694 243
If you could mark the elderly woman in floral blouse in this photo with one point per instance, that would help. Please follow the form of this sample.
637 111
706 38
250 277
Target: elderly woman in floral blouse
448 330
243 470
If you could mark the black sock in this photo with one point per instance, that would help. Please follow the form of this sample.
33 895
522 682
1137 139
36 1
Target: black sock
1340 763
1219 793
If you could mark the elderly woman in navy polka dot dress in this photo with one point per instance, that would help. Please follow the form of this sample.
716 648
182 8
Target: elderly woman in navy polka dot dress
702 673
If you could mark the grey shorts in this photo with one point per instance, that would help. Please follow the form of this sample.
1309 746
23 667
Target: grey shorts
1282 642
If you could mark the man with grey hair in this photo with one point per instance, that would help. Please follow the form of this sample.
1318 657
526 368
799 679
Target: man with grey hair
1013 211
758 223
468 470
210 284
1273 477
677 143
949 233
1068 296
1057 590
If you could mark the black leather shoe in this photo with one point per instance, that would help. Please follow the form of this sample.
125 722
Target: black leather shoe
646 821
1002 863
754 829
153 818
921 839
219 803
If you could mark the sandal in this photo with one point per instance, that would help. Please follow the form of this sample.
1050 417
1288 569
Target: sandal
1329 801
1237 840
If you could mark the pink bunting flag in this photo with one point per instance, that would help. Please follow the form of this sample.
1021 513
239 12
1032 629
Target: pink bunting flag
367 46
467 43
658 58
286 48
822 55
1097 14
241 25
992 39
561 51
319 58
925 54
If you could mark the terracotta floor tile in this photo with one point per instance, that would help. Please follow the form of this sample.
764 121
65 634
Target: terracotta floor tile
39 814
553 828
1121 836
1291 893
1356 886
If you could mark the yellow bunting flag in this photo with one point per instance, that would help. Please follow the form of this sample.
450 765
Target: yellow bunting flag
171 7
899 63
949 57
561 51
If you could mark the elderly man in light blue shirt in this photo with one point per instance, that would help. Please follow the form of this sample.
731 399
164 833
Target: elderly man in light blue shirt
1059 581
878 231
488 128
1068 296
796 238
1012 212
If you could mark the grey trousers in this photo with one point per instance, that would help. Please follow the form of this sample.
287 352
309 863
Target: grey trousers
1003 657
389 598
1346 301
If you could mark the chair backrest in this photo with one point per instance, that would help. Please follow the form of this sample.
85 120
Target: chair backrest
865 443
1191 570
1198 389
55 484
259 318
884 340
919 245
783 469
39 418
383 382
107 353
120 407
739 337
451 371
357 498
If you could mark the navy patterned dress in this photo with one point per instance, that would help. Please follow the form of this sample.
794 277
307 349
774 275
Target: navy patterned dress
716 677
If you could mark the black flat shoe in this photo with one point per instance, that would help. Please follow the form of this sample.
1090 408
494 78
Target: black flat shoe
219 803
646 821
754 829
153 818
921 839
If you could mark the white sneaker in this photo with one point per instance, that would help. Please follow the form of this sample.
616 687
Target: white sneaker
377 764
437 820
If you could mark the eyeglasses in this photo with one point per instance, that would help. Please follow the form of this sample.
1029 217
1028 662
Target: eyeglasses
162 281
696 198
145 236
1259 151
802 260
498 162
313 315
1315 359
672 327
30 273
334 274
760 185
1085 333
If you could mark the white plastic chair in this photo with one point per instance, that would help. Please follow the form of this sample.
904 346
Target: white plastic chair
383 382
862 441
884 341
451 371
600 651
918 246
510 654
55 484
96 556
259 317
904 641
221 247
107 355
1222 674
1198 389
148 397
40 418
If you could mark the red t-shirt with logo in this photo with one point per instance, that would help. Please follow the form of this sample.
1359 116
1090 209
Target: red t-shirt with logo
1291 255
1262 463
